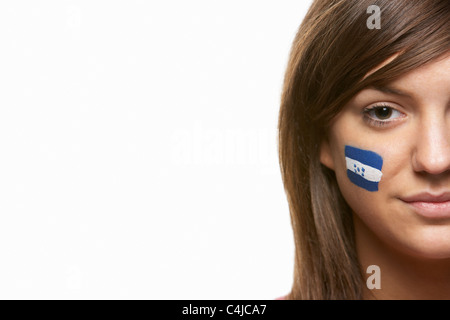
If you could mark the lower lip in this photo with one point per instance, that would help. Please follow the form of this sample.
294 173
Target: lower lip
433 210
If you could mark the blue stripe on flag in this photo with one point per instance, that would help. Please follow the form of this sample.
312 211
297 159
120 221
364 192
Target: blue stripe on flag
361 182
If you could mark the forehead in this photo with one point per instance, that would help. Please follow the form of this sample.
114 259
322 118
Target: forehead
430 81
438 69
443 61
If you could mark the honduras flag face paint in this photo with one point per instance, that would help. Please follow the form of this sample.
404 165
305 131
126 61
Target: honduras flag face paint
363 167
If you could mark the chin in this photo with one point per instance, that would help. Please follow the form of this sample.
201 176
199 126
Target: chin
431 245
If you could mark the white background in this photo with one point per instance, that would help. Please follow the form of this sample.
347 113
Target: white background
138 149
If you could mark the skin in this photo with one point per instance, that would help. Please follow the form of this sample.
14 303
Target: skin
413 138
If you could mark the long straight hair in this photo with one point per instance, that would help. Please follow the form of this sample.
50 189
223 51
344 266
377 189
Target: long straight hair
331 54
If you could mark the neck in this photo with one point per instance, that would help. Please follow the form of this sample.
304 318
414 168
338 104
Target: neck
402 276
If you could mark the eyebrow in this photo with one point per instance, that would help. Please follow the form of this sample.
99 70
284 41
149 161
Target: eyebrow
391 90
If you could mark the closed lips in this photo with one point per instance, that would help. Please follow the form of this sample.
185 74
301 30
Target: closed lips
428 198
430 205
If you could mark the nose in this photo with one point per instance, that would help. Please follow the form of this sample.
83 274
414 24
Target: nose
432 148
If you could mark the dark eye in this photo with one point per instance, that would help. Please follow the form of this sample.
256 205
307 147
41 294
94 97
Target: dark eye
382 116
382 113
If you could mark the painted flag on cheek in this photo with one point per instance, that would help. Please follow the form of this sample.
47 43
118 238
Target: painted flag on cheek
363 167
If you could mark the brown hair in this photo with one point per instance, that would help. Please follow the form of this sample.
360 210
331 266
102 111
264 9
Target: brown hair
330 56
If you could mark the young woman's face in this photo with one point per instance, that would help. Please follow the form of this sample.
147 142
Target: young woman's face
406 126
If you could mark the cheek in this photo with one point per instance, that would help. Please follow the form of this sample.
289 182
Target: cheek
355 191
360 175
372 168
363 167
370 190
369 171
397 173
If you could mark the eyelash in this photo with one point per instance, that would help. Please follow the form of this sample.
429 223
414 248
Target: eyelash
378 123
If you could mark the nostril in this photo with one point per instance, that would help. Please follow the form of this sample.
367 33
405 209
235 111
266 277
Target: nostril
433 163
432 146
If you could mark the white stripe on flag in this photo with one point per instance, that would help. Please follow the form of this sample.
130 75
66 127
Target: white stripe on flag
370 173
